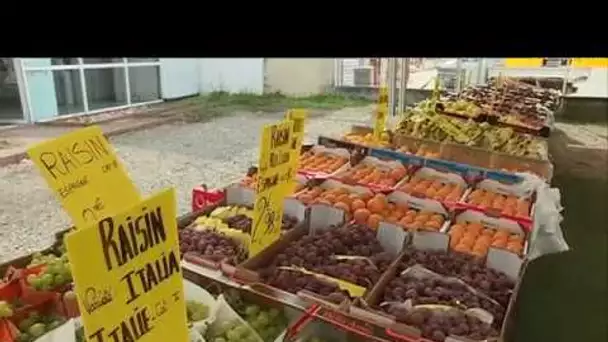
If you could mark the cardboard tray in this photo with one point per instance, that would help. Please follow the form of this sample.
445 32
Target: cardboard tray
321 218
417 204
505 189
243 196
501 259
435 173
320 149
377 163
426 241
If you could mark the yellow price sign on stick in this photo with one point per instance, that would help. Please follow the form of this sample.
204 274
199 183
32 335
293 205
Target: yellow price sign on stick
85 173
381 113
298 116
276 170
127 274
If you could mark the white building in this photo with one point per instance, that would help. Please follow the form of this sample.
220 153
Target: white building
42 89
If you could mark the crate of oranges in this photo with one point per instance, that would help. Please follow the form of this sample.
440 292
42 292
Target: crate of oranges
378 175
337 194
411 213
475 233
445 187
323 162
496 198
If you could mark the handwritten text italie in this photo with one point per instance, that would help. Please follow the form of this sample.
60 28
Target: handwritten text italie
121 243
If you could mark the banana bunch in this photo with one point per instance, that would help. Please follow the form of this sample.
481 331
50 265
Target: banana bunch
507 141
225 212
428 125
462 107
206 222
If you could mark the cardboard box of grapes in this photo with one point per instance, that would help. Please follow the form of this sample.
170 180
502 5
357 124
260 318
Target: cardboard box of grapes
319 324
327 262
434 294
245 316
219 244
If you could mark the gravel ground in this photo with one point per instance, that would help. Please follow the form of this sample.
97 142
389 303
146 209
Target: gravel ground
587 135
181 155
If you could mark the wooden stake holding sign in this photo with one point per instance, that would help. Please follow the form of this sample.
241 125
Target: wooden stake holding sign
127 274
86 175
276 170
298 117
381 113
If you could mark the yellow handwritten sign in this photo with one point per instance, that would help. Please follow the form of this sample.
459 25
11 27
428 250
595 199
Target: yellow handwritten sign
298 116
85 173
127 274
276 170
381 113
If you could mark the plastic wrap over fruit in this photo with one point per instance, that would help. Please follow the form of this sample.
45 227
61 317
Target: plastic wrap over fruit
229 326
63 333
195 293
547 236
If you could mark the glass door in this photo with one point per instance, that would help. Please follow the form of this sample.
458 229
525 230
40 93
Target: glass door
11 109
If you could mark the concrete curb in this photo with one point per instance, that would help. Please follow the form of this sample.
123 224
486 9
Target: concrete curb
18 157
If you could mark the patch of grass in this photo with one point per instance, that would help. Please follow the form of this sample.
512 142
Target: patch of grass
223 103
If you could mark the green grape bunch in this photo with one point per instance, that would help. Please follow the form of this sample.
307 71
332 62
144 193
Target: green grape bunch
196 311
57 272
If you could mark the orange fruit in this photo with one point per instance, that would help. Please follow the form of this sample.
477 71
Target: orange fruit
461 248
499 243
437 218
374 221
375 205
458 227
397 174
323 201
434 225
416 225
304 198
361 215
343 206
410 218
357 204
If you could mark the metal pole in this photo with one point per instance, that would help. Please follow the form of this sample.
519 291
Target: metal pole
566 76
405 75
479 71
392 83
458 75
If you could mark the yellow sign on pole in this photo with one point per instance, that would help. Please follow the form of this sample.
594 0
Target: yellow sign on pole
127 274
276 169
298 116
381 113
85 173
590 62
524 62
